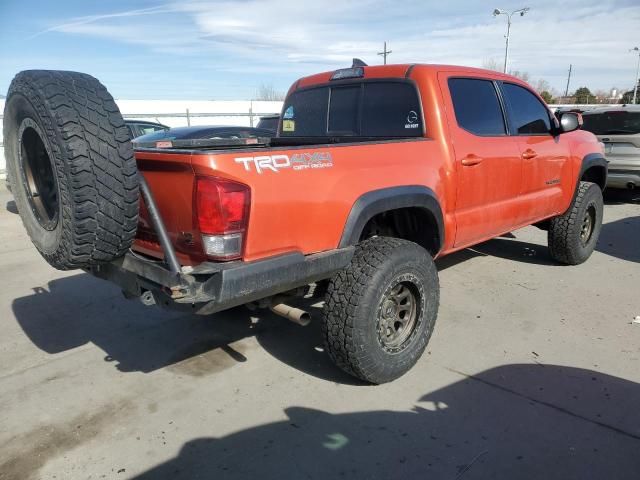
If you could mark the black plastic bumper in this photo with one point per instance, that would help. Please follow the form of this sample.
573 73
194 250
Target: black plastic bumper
212 287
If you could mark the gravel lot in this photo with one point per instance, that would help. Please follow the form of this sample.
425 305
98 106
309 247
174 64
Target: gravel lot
533 372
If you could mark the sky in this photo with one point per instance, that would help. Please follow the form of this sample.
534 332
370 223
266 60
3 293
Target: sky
223 50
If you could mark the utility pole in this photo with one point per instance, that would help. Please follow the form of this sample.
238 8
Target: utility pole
384 53
566 90
635 88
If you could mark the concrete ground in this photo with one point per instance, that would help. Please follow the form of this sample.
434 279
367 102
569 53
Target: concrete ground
533 372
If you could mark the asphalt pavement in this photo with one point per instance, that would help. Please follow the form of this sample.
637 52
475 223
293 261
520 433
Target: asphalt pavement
533 372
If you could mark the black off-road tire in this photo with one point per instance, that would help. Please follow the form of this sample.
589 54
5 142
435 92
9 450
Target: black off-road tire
354 303
72 169
567 240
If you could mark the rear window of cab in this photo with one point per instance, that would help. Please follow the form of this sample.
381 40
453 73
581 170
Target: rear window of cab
375 108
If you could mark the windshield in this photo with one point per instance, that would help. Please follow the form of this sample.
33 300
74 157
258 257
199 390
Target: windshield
378 108
620 122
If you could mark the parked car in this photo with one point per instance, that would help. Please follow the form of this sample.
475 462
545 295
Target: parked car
270 122
353 200
618 128
204 132
142 127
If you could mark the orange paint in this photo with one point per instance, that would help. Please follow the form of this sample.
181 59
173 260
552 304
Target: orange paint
306 210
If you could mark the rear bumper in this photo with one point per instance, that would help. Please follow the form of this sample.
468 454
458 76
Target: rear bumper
212 287
623 178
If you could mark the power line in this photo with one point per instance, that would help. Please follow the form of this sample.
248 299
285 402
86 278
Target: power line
384 53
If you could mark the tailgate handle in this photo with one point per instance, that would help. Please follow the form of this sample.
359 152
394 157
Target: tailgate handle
471 159
528 154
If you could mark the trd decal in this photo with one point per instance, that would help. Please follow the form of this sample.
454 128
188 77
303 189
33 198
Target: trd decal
297 161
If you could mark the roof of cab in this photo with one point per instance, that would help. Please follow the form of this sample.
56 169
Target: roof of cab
405 70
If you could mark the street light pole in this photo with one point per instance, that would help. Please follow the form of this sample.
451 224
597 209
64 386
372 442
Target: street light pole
635 87
499 11
506 44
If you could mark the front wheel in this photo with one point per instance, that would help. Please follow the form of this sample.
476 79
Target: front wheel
380 311
573 236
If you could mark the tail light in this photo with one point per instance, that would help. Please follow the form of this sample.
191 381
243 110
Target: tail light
222 209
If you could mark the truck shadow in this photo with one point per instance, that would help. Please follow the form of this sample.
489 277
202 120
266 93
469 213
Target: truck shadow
619 238
514 421
619 196
81 309
507 247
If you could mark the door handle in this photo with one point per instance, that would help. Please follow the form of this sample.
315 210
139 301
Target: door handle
528 154
471 159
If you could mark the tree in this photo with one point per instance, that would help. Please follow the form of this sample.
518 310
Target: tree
546 96
627 97
584 96
541 85
491 64
268 93
524 76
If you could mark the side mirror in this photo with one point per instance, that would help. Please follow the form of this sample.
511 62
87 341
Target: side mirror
570 121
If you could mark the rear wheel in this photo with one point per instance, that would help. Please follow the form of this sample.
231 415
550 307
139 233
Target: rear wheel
573 236
71 167
380 311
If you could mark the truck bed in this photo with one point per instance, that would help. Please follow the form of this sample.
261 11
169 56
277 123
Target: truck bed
298 204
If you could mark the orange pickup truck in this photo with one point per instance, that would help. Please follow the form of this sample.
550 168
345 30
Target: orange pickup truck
375 172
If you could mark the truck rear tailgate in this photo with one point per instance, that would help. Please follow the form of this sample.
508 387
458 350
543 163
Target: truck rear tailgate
171 180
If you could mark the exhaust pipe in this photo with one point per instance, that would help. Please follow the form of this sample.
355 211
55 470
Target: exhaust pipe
293 314
631 185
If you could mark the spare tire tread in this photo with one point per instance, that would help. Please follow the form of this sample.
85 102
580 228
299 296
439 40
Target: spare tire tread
100 197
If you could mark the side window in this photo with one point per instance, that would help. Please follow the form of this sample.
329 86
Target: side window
477 106
528 114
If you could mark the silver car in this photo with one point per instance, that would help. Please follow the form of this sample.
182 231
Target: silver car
619 129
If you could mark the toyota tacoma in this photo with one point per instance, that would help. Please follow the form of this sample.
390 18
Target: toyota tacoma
374 172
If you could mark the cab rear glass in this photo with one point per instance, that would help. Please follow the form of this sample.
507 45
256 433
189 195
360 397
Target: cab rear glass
376 109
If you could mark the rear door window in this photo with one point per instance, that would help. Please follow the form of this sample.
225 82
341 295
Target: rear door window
378 109
529 115
477 106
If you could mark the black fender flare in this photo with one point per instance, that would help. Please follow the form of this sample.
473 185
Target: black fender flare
377 201
594 160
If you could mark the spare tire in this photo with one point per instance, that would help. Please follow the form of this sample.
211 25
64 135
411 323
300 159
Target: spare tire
72 169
